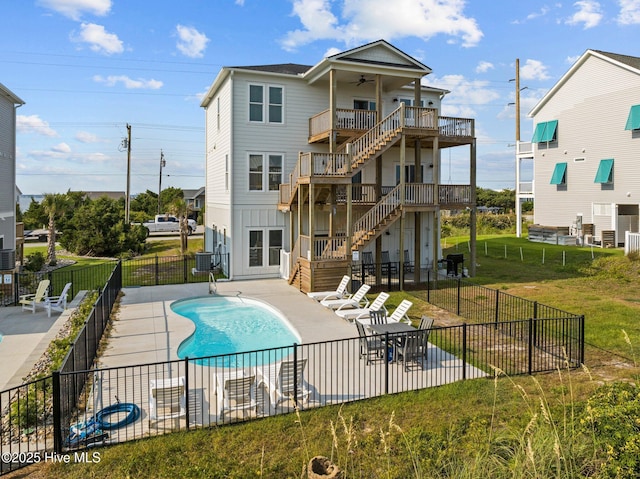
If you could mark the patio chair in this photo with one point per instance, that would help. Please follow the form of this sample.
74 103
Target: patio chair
282 380
57 303
409 349
407 265
426 324
30 302
354 301
363 313
387 265
339 293
367 262
235 394
167 399
400 313
369 345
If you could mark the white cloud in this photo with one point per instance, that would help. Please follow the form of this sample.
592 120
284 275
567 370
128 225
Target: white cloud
484 67
366 20
465 95
589 14
533 70
240 2
61 148
191 42
86 137
75 8
99 39
629 12
34 124
113 80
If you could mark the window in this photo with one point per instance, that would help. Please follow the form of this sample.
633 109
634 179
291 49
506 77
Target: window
274 104
545 132
255 248
409 173
633 121
411 102
271 181
364 105
255 173
275 245
605 172
559 176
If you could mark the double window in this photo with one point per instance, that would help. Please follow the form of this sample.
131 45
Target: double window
266 103
265 171
261 254
545 132
409 174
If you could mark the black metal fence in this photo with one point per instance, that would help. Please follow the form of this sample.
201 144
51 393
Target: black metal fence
121 404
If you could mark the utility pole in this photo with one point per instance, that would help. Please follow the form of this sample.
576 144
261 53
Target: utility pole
162 163
127 198
517 100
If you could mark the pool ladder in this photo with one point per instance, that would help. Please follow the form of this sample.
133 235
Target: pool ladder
213 286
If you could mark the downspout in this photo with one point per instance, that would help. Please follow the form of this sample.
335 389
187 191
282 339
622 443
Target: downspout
231 159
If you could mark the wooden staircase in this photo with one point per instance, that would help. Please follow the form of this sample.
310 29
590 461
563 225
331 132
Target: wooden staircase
375 221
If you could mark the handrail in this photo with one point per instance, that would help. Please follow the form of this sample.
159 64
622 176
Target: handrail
372 218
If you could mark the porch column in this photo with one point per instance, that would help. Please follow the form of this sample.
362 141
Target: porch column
403 155
417 215
473 216
435 230
333 84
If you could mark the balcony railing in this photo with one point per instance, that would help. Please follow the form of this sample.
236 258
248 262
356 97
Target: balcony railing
346 119
454 194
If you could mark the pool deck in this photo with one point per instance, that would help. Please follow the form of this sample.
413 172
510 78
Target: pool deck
146 330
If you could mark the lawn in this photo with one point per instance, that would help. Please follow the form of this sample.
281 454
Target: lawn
508 427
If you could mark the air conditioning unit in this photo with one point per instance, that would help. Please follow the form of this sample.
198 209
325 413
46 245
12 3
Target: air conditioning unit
7 259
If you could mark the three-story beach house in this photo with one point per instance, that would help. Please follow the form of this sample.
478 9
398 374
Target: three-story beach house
309 167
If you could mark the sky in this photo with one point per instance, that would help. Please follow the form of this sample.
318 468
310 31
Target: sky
88 68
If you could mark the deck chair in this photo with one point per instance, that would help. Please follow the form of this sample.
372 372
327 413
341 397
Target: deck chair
279 379
426 324
354 301
167 399
400 313
369 345
339 293
30 302
363 313
387 265
235 393
57 303
410 349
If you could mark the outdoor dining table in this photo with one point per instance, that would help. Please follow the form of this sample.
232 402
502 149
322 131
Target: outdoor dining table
394 329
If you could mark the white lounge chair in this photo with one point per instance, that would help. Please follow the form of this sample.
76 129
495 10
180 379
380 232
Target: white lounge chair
279 379
354 301
30 302
340 292
400 313
57 303
362 314
235 393
167 399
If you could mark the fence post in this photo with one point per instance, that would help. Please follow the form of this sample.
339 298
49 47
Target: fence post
428 285
295 374
581 322
530 359
464 351
16 287
535 310
186 391
157 272
497 317
184 268
386 363
459 291
57 419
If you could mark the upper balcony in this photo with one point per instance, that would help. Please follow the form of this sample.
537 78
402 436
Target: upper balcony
418 122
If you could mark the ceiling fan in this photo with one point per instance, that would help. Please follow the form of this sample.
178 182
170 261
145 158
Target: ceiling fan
362 80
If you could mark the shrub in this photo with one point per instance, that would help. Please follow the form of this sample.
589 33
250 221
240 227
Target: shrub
35 261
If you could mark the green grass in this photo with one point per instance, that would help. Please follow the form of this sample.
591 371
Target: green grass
510 427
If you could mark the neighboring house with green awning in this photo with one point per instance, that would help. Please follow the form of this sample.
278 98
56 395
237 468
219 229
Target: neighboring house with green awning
586 148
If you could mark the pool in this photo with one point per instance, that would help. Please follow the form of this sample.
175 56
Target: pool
230 325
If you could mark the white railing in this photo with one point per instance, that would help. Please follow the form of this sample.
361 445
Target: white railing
285 264
323 164
420 194
631 242
330 248
456 127
454 194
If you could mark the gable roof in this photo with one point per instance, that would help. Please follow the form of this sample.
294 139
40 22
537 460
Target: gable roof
5 92
622 61
283 68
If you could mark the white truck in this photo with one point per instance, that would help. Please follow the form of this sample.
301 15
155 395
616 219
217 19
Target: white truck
167 224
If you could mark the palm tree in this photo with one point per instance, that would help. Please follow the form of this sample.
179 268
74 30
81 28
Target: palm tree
181 209
54 205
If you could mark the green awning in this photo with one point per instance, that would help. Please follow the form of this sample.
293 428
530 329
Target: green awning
545 131
633 122
605 171
559 174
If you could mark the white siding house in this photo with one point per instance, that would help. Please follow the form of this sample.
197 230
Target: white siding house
8 104
585 146
299 158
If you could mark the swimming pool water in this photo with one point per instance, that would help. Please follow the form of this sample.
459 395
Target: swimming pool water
229 325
